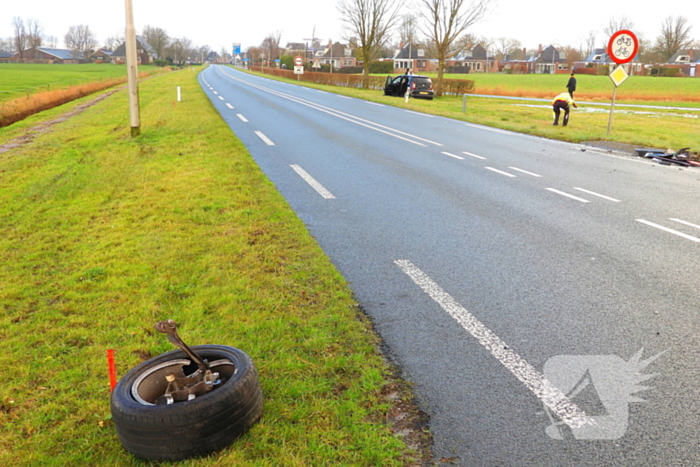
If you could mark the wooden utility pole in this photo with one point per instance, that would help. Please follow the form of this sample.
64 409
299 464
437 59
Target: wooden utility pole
132 72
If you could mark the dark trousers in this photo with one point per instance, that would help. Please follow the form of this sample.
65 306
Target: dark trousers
557 107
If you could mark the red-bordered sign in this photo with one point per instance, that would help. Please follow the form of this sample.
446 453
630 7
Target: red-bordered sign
623 47
298 60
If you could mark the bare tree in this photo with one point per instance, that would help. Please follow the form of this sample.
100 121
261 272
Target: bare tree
617 24
80 39
408 29
35 33
370 21
156 38
20 35
271 45
444 22
203 52
50 41
505 46
112 42
179 50
6 44
589 43
254 54
675 36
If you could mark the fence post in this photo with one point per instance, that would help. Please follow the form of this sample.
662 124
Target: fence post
464 103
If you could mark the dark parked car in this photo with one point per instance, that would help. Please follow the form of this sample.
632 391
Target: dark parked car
418 86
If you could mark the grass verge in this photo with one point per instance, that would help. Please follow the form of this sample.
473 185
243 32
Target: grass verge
104 235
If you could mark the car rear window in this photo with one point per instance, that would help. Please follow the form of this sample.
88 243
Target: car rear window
422 80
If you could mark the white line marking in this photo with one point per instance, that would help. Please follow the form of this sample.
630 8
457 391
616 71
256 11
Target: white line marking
473 155
264 138
322 92
345 116
215 92
598 195
344 97
221 98
452 155
243 119
666 229
686 223
500 172
552 397
568 195
229 105
311 181
525 172
374 103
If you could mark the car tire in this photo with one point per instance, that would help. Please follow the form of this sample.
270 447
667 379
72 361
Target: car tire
193 428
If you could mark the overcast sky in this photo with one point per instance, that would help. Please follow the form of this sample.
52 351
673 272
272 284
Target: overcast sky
219 23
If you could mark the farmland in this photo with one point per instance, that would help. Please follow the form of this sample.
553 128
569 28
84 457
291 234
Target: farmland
25 79
680 91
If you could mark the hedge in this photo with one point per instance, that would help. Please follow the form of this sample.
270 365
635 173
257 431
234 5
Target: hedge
449 86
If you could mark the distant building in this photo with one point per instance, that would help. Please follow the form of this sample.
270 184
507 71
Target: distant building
547 61
50 55
144 52
103 55
416 57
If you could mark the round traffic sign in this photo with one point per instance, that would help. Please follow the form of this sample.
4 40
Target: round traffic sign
623 46
298 60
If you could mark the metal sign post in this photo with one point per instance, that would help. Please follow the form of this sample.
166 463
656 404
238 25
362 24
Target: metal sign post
622 48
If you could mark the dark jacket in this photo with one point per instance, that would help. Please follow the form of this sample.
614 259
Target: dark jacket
571 85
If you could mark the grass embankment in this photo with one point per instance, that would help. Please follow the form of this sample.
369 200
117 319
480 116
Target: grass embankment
658 128
104 235
48 86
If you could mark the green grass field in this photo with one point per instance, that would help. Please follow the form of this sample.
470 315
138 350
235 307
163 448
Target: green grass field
18 79
589 87
104 235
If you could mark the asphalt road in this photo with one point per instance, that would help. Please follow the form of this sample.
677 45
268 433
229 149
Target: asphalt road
526 287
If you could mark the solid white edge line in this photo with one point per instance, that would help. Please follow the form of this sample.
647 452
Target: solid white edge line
671 231
525 172
568 195
339 114
452 155
473 155
685 223
262 136
243 119
311 181
500 172
535 381
598 195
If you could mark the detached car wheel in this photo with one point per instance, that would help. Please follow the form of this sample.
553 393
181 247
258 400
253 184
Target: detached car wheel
189 428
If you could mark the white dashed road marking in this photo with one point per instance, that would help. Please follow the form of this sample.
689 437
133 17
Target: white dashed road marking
552 397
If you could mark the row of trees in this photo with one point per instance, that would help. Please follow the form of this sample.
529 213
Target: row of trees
441 26
30 33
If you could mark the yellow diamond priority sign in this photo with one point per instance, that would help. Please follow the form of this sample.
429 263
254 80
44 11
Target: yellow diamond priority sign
618 76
